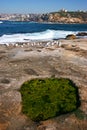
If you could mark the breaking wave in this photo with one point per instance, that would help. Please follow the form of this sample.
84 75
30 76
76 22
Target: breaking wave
1 22
38 36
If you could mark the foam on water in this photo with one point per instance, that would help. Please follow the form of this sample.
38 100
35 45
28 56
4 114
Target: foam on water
1 22
39 36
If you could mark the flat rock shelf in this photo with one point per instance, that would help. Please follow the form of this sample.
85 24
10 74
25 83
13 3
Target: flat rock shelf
19 64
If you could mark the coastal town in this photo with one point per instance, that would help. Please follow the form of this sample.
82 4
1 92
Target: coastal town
62 16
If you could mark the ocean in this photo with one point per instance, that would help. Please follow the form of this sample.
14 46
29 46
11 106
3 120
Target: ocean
16 31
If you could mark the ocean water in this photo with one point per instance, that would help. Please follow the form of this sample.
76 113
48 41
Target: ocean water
13 31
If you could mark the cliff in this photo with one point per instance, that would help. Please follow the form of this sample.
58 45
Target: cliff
55 17
65 17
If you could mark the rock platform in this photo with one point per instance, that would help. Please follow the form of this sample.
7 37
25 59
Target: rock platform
22 62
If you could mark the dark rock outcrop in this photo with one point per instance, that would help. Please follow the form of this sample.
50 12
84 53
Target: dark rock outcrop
70 37
82 34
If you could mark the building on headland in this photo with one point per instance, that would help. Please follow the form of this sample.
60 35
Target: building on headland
63 10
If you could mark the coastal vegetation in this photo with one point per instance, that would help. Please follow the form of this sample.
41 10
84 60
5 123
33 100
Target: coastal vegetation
62 16
79 14
46 98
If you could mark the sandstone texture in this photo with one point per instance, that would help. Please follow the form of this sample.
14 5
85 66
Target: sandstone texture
21 63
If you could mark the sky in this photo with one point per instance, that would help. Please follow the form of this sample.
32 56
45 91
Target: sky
41 6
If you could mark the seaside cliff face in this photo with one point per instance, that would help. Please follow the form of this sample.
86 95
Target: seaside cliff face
19 64
55 17
68 17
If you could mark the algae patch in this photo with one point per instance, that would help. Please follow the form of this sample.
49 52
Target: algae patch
46 98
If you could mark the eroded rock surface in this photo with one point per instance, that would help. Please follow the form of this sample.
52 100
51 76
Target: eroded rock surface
18 65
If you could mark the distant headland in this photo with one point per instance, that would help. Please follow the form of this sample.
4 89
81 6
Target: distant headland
62 16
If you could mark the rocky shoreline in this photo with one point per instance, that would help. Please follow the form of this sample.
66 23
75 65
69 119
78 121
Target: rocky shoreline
61 16
24 61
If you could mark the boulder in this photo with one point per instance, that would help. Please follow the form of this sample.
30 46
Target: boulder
70 37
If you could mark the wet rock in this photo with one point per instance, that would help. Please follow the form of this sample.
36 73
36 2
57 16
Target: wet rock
82 34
